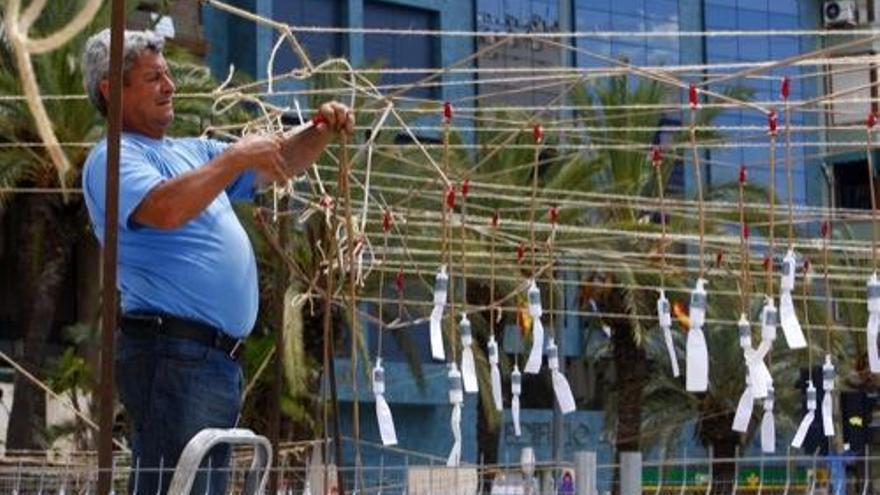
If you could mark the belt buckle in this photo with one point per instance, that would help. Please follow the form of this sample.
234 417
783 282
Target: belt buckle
233 353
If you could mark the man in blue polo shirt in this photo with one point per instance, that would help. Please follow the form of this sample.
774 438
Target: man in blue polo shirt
187 272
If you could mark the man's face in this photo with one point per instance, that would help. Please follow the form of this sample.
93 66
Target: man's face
147 92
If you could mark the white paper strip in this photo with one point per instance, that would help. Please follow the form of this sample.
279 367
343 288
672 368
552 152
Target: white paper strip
454 458
456 398
515 391
697 354
441 288
665 319
873 330
760 375
802 430
744 409
804 427
383 412
533 364
495 373
768 426
561 388
827 391
468 368
791 327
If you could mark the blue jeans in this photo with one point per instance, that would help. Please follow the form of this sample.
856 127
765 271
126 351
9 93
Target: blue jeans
172 389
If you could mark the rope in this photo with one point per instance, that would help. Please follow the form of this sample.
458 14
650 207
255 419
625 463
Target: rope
698 179
61 400
772 212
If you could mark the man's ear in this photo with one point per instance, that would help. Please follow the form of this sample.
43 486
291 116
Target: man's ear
104 88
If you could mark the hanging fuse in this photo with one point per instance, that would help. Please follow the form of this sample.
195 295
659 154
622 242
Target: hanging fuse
769 320
745 332
456 394
791 327
561 387
441 288
697 311
533 364
468 366
494 372
788 269
664 315
515 391
828 376
378 377
873 326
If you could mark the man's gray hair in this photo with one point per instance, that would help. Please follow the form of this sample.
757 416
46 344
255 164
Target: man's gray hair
96 59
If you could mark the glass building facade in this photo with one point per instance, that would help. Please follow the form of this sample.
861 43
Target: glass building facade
761 15
710 56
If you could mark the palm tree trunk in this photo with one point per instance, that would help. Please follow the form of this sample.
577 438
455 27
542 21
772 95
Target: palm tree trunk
631 369
49 230
714 429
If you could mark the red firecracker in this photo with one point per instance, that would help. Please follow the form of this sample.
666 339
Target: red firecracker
447 112
386 221
656 156
538 133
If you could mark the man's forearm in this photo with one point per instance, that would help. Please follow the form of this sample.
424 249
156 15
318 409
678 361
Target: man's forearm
302 147
178 200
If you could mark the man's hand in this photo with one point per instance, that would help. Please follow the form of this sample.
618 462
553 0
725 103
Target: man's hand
300 150
261 153
338 117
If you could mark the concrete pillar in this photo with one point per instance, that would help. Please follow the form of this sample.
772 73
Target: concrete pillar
585 473
631 473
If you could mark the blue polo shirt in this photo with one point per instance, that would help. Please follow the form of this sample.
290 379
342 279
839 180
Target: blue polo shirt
204 270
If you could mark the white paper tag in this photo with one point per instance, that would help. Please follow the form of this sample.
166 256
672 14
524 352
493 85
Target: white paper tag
791 327
744 410
533 365
454 458
697 365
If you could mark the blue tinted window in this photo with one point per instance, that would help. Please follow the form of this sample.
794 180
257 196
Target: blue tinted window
622 22
400 51
783 47
752 4
754 48
661 57
632 53
547 10
781 21
722 48
751 20
598 47
494 7
720 17
783 6
319 46
593 4
593 20
631 7
517 8
662 9
664 44
755 158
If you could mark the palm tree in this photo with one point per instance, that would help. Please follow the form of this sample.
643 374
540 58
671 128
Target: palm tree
636 353
46 227
49 227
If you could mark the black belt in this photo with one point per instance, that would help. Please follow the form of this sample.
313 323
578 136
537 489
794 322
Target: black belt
148 326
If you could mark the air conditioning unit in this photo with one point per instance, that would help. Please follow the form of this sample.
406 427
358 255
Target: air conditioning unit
840 13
